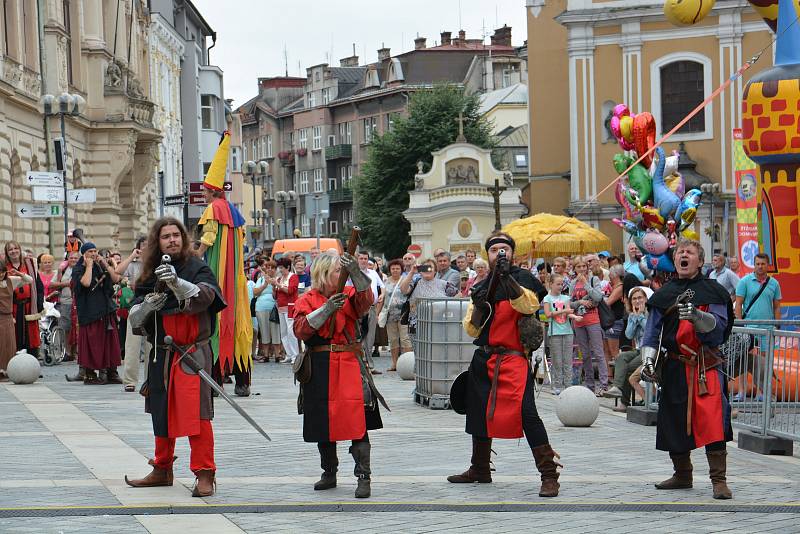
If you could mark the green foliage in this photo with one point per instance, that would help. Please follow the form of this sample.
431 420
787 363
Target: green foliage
381 189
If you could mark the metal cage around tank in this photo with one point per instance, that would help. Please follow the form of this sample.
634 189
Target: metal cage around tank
442 349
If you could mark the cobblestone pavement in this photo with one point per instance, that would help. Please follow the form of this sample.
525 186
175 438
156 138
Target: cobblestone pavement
67 446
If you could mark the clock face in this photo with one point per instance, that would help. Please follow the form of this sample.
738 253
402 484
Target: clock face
464 228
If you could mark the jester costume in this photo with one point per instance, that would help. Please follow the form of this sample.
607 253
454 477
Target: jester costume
179 402
694 410
223 235
498 395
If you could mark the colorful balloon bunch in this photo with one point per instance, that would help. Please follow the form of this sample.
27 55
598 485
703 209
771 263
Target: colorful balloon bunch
652 194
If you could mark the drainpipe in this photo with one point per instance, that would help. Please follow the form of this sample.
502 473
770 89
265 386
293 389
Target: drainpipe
47 136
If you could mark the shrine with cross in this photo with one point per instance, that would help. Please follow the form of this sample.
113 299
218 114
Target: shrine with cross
460 198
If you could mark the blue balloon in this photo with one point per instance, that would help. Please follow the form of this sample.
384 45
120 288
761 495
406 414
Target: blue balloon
660 262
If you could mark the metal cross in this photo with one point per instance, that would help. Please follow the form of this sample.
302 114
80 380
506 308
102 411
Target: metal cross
496 191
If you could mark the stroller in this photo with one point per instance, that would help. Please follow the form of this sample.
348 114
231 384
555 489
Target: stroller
53 341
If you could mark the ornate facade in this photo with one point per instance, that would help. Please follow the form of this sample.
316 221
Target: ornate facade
93 49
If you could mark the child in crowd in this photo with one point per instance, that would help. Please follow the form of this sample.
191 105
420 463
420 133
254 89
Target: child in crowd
559 334
628 366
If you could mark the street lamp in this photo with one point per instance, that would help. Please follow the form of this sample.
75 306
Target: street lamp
62 105
284 197
257 172
711 189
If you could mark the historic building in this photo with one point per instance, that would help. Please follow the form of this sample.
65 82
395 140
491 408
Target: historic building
320 131
94 50
586 56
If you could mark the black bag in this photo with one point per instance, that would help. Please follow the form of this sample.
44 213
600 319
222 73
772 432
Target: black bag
405 309
605 313
273 315
253 306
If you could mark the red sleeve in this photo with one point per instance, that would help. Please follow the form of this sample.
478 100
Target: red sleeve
294 281
303 306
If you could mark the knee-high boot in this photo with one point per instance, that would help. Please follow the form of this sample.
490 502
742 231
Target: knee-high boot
329 463
682 478
360 451
480 466
544 455
717 468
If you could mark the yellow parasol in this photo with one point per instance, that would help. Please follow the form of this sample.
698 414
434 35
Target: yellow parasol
546 235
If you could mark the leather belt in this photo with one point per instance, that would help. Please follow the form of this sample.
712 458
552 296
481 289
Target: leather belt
501 353
352 347
185 348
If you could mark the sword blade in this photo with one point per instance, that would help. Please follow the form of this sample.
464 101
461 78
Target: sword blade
210 381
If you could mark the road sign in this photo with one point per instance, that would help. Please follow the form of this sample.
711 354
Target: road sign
175 200
197 199
45 178
82 196
43 193
197 187
38 211
416 250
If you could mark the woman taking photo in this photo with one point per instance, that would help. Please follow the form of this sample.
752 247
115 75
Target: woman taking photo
585 292
427 286
264 292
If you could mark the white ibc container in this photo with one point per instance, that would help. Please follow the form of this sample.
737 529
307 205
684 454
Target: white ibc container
443 349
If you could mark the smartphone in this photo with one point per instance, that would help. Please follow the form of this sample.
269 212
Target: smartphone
423 268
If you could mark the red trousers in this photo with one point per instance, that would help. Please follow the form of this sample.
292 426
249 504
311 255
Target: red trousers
201 446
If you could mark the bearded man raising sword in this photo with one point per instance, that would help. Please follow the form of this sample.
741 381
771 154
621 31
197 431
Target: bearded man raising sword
498 389
180 299
690 317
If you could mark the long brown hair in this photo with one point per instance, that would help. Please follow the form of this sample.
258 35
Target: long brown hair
151 255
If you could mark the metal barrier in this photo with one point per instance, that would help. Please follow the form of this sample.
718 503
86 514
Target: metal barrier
442 349
763 368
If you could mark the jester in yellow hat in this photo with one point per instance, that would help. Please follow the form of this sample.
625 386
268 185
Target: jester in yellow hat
222 246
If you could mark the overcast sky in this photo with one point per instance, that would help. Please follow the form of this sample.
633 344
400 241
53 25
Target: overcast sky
252 34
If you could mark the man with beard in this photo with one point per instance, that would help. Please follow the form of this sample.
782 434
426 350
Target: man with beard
222 245
499 391
178 299
690 317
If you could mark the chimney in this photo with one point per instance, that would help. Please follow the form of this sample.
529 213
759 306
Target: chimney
445 38
462 36
384 53
502 36
419 43
351 61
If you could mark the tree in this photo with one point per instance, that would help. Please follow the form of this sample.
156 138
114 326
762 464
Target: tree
381 190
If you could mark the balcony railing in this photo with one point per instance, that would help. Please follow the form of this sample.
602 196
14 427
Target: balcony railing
344 194
338 152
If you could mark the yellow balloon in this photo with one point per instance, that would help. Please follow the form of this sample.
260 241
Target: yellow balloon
687 12
690 234
626 127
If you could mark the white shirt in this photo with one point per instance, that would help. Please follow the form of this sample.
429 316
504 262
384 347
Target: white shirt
375 283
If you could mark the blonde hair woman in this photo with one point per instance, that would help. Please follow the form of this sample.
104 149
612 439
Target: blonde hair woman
333 399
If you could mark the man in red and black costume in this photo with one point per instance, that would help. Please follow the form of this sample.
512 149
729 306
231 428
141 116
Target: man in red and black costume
339 402
690 317
499 392
178 299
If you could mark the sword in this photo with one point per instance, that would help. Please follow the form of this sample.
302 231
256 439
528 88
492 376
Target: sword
210 381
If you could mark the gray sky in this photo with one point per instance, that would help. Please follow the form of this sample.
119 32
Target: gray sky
251 34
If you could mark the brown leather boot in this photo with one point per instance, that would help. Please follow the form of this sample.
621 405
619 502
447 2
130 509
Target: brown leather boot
480 469
548 467
717 467
682 478
205 484
157 477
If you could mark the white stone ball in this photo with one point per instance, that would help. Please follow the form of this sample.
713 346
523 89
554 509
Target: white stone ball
23 368
577 406
405 366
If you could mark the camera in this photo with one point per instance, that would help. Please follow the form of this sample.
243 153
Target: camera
423 268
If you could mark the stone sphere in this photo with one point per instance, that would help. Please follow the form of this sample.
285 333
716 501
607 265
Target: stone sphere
405 366
23 368
577 406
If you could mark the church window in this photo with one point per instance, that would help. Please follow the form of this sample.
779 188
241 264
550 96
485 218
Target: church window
681 92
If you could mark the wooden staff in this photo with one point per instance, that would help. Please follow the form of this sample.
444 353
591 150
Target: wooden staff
352 246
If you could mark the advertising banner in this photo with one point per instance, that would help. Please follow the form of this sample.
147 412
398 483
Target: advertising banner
746 173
